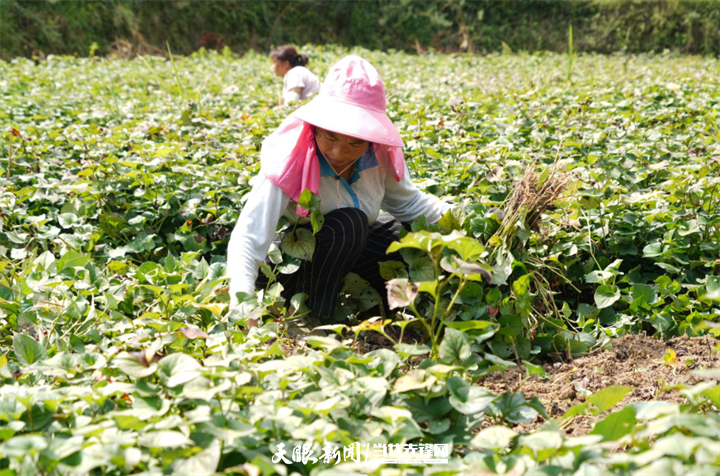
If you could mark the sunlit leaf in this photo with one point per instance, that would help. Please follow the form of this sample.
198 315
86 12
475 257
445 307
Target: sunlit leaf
164 439
608 397
616 425
28 350
606 296
401 292
493 438
455 347
134 367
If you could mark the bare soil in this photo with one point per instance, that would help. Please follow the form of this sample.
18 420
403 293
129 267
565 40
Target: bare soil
370 341
635 361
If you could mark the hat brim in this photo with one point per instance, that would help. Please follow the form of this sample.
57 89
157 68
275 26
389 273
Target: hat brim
351 120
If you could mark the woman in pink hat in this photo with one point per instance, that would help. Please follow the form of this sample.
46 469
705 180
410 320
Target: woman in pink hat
344 148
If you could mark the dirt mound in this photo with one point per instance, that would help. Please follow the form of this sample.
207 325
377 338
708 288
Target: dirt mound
634 361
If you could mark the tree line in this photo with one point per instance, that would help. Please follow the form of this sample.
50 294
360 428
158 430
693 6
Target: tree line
128 27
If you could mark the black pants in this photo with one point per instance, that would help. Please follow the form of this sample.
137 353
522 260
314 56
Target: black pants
346 243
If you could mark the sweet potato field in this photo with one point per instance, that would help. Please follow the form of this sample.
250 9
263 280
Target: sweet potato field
561 320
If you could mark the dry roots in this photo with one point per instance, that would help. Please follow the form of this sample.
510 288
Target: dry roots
532 199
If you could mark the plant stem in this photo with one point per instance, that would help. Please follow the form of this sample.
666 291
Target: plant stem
457 293
425 323
436 307
439 288
570 53
177 77
10 161
112 87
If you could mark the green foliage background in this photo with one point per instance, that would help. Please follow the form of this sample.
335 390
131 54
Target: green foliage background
119 184
69 27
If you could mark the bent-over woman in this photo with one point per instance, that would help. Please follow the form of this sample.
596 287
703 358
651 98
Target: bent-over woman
298 81
343 147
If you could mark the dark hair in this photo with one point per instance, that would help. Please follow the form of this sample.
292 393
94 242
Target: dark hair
289 53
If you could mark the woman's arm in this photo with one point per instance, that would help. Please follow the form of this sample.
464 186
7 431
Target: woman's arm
253 234
293 95
405 202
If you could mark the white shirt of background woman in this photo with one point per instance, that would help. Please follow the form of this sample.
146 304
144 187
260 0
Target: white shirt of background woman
300 77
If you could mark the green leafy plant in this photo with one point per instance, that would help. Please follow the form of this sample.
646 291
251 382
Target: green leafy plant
118 354
455 271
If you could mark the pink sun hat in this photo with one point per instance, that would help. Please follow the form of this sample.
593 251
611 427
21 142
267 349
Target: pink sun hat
352 102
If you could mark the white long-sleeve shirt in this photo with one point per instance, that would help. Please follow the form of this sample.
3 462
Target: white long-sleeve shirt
299 77
372 186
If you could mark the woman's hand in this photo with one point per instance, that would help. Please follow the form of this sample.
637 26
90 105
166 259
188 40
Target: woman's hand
293 95
252 321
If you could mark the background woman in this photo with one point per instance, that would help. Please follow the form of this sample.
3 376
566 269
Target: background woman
344 148
298 81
